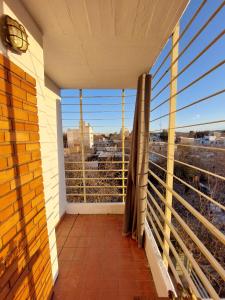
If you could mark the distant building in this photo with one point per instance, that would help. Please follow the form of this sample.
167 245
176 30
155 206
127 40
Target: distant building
107 145
74 149
220 141
212 139
206 140
217 134
99 138
105 155
74 136
209 139
154 138
185 140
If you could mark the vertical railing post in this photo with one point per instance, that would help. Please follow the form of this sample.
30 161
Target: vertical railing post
171 136
82 144
123 144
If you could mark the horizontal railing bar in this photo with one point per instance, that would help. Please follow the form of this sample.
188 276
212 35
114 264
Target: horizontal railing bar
96 186
95 194
97 170
192 82
114 141
100 96
180 36
96 104
216 39
215 232
113 151
192 146
189 105
96 112
172 248
114 119
186 251
97 133
191 125
191 166
100 162
216 265
200 124
94 126
191 187
96 178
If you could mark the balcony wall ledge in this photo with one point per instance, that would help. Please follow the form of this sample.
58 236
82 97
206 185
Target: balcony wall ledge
95 208
160 274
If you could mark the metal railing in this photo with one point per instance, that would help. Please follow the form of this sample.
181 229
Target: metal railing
185 196
97 134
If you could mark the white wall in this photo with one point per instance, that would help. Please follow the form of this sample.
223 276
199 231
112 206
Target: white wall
48 112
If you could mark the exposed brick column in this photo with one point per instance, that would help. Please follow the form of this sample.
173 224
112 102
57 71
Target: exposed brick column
25 267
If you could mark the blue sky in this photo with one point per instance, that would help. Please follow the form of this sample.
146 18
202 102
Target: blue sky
104 114
207 111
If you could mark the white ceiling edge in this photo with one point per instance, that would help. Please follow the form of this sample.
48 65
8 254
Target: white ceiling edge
103 44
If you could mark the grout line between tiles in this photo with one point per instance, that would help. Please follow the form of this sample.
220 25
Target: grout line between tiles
74 221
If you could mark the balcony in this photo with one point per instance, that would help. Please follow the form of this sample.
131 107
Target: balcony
112 151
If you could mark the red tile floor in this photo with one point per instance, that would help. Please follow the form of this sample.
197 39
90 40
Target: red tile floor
97 262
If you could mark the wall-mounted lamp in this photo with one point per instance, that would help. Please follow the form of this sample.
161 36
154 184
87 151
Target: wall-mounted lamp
15 36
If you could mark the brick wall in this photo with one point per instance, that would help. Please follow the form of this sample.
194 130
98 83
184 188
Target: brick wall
25 267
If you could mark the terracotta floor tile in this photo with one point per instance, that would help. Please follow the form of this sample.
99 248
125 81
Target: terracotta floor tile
71 242
127 284
79 231
145 286
79 254
64 269
97 262
76 268
109 285
92 273
108 295
135 295
66 253
90 294
143 275
61 240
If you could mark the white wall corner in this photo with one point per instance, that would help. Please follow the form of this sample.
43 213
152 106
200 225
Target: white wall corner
160 274
61 166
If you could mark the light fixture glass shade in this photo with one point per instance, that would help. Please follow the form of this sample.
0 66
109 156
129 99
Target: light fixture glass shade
16 36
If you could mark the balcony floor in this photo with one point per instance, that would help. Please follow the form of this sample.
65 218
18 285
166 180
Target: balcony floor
97 262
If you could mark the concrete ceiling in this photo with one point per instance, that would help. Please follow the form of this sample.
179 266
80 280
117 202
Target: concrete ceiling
103 43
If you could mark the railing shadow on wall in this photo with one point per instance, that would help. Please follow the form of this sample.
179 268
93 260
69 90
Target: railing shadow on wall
16 251
22 250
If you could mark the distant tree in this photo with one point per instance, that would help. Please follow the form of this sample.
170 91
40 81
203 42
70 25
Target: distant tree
65 143
191 134
164 135
201 134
